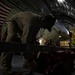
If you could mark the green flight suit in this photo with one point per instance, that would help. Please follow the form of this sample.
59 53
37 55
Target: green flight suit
27 24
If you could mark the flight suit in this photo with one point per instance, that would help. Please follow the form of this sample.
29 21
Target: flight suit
27 24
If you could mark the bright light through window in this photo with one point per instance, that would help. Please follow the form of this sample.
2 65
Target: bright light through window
60 1
67 32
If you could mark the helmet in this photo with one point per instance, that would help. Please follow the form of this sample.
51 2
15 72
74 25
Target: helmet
49 21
